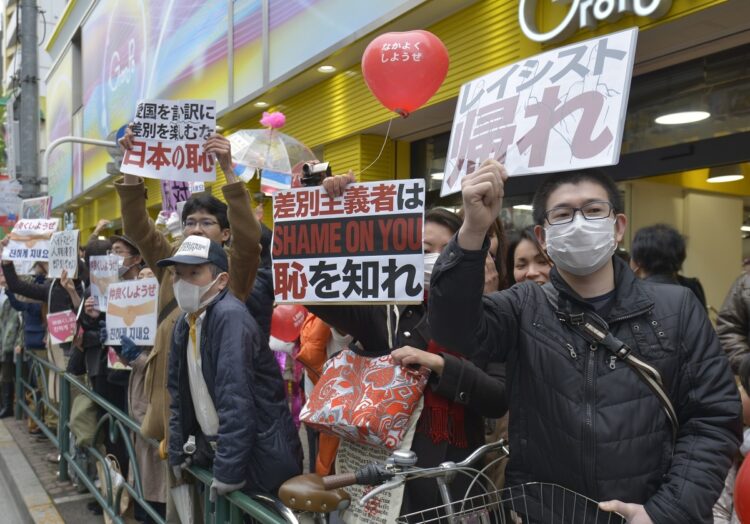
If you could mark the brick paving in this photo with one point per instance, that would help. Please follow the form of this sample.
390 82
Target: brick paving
68 500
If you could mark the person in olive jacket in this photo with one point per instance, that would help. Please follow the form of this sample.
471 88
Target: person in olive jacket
580 416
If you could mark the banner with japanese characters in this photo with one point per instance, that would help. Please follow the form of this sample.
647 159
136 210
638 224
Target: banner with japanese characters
63 254
168 140
102 273
560 110
365 246
132 312
30 239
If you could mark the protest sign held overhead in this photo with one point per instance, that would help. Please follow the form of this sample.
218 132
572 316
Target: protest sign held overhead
30 239
131 311
40 207
103 272
365 246
557 111
168 140
63 254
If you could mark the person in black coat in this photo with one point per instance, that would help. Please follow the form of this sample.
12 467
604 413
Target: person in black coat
260 301
225 386
581 416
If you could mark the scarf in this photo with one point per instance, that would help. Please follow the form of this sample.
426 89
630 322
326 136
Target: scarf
442 419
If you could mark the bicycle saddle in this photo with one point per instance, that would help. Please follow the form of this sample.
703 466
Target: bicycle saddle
306 493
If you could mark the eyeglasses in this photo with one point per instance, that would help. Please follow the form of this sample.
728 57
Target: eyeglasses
565 214
203 224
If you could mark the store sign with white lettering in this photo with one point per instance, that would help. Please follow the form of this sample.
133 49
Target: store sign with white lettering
585 14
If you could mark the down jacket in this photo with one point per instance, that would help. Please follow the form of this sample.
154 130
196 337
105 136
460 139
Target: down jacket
584 420
257 440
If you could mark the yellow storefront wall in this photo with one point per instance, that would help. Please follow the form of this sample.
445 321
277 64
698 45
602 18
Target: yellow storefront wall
480 39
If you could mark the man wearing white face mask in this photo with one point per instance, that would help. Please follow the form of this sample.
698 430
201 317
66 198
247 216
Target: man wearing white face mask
620 390
225 386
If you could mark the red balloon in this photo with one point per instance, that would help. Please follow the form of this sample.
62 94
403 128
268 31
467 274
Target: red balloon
403 70
286 322
742 491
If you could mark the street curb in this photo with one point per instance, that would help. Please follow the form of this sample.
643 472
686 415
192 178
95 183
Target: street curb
24 484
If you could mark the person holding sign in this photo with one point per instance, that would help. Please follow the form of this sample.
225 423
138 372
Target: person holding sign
205 216
58 300
459 393
227 394
620 389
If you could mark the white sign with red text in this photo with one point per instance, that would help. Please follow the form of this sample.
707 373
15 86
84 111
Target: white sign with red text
168 140
102 273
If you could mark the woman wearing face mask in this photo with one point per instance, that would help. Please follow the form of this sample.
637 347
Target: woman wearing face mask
110 383
458 395
527 258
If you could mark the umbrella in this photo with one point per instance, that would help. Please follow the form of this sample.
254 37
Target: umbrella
268 149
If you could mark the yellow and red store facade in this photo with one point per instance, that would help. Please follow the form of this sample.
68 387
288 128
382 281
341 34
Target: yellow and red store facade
249 53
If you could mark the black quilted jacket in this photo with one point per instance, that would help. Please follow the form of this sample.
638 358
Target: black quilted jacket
583 420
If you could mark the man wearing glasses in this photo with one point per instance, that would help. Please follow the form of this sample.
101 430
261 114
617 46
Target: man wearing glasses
582 414
203 215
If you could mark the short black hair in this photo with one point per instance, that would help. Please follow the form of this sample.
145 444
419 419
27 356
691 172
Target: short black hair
266 235
445 218
658 250
208 204
552 182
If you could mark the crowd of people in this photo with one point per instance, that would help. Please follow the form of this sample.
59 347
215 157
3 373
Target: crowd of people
641 411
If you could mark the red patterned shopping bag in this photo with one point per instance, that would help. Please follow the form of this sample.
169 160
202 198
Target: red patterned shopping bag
363 399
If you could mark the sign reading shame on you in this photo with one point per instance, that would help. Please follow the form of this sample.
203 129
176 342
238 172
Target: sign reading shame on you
365 246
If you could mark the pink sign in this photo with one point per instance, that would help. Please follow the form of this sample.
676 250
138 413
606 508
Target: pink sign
61 326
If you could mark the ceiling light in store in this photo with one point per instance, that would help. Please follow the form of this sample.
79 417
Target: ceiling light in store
729 173
682 117
87 198
261 104
327 69
524 207
746 229
437 176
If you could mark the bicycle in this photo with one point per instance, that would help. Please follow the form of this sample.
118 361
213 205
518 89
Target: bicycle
529 503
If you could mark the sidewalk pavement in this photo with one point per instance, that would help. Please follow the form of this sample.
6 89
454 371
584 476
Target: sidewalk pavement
48 500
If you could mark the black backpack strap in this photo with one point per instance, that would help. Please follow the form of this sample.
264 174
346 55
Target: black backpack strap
595 330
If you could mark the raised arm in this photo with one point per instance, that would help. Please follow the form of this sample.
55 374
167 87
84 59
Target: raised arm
136 222
21 287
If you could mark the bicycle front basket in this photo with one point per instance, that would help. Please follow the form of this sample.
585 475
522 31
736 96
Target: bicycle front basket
531 503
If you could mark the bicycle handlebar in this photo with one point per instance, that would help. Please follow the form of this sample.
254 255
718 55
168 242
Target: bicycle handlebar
369 475
341 480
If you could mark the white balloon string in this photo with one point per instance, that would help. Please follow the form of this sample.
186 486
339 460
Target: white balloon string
382 148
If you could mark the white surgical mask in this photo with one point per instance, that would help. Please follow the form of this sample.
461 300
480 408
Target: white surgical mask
582 246
429 264
189 295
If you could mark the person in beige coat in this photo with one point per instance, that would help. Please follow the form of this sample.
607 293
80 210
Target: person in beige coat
202 215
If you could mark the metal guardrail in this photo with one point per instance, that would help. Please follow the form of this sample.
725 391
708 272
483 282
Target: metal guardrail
235 508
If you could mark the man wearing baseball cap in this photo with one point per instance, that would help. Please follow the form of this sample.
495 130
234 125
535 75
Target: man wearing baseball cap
224 383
